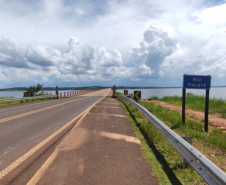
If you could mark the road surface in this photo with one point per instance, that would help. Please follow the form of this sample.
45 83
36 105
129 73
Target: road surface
101 149
23 127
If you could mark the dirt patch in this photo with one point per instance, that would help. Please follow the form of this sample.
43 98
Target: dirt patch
215 120
75 139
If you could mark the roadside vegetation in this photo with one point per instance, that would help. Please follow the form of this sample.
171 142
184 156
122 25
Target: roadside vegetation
196 103
3 104
34 89
6 97
157 148
42 93
118 93
172 118
167 164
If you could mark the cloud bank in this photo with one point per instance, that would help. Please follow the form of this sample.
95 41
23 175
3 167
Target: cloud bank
153 42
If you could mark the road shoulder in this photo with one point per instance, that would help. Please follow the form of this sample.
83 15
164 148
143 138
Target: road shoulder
103 149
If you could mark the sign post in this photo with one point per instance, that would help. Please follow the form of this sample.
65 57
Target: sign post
113 89
197 82
183 105
207 109
57 93
137 95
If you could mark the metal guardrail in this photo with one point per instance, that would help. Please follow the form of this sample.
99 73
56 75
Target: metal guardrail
204 167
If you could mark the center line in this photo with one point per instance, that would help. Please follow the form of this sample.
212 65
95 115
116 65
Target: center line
39 110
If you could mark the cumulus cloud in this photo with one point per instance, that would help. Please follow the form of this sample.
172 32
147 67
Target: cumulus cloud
15 55
152 51
80 63
97 64
172 38
202 52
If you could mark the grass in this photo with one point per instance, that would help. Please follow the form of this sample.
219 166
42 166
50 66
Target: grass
6 97
197 103
167 164
118 93
4 104
172 118
41 94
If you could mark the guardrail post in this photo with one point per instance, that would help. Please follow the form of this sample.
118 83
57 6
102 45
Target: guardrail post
183 105
206 110
189 140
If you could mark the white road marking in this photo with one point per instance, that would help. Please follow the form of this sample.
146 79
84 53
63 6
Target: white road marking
120 137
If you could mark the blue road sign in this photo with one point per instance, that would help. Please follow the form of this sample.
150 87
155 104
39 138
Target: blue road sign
196 82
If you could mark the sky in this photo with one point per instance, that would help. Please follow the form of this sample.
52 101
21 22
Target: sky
111 42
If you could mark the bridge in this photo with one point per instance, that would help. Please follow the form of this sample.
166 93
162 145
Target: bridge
84 139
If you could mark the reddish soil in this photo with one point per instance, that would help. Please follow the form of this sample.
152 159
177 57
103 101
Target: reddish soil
215 120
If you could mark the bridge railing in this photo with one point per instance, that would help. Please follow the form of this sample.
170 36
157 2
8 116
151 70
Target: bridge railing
204 167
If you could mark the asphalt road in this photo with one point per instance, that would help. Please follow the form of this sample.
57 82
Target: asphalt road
101 149
24 126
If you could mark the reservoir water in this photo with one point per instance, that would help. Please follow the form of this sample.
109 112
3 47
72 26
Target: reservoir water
215 92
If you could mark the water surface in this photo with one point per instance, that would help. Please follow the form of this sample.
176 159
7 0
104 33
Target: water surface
217 92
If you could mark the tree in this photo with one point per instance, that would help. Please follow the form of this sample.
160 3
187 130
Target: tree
32 89
38 87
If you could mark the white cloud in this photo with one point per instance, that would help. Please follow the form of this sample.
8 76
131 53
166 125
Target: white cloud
172 38
81 63
201 50
152 51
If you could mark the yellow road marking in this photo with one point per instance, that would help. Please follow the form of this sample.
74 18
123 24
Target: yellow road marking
38 175
43 168
16 163
81 166
38 110
33 150
120 137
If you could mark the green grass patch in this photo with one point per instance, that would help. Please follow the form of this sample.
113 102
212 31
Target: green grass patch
172 118
167 164
118 93
4 104
197 103
6 97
